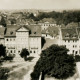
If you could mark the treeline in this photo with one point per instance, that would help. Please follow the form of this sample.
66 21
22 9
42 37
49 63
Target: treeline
64 17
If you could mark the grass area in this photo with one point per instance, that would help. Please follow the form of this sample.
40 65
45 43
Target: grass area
18 75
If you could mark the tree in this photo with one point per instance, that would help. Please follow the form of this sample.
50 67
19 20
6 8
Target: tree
2 50
13 21
72 25
3 22
43 41
4 73
24 53
54 61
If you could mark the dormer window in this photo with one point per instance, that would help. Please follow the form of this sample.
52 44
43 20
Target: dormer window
34 32
11 32
74 36
67 35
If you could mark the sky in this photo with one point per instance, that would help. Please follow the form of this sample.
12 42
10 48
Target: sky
40 4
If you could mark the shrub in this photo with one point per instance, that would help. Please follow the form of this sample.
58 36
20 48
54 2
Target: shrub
4 73
77 58
9 57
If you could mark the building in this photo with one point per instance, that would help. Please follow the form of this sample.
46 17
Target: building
46 24
51 32
70 38
18 37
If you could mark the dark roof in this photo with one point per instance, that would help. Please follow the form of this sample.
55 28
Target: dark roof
11 30
52 31
34 30
69 34
2 30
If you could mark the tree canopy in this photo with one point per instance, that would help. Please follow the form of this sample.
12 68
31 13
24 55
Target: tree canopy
63 17
24 53
3 22
54 61
2 50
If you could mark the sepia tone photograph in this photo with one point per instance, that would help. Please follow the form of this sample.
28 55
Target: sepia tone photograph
39 39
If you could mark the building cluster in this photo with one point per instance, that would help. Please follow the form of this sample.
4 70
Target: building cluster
17 37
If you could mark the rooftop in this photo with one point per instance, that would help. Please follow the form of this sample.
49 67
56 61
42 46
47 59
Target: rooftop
34 30
70 34
52 31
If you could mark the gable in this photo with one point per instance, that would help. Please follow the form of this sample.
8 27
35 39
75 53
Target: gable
22 29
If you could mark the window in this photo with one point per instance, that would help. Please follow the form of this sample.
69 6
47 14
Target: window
14 39
46 35
73 51
34 32
76 52
11 51
30 51
73 46
6 39
11 32
18 51
34 51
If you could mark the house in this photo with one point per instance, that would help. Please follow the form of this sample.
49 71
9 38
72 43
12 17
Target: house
47 22
69 37
19 37
51 32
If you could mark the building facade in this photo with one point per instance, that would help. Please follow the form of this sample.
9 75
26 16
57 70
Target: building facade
18 37
69 37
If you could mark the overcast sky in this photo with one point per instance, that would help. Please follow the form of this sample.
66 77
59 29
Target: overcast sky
39 4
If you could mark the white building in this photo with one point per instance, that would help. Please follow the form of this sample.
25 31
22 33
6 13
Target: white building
69 37
19 37
47 24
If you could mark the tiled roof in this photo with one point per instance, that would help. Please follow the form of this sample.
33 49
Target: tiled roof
2 29
52 31
34 30
11 31
69 34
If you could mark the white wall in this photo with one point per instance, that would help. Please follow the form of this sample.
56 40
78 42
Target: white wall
10 43
22 40
35 45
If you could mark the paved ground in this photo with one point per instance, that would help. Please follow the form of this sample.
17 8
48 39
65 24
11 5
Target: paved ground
23 71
